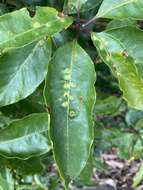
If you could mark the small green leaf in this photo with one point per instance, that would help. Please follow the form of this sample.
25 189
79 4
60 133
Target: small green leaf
30 166
73 6
139 124
26 137
4 120
138 177
108 105
18 28
22 70
121 9
70 94
125 143
132 117
100 165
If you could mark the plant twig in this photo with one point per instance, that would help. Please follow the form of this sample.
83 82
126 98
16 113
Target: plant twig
89 22
78 18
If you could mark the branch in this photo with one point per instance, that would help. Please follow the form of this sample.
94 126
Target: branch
89 22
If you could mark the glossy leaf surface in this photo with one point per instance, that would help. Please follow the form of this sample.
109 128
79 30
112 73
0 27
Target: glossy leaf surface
18 28
22 70
121 9
70 94
26 137
131 39
123 65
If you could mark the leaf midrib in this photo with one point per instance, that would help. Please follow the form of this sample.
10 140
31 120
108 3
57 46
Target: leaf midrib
68 108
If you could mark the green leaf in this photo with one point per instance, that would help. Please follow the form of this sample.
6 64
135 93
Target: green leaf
116 24
121 9
4 120
132 116
99 165
131 40
4 185
22 70
18 28
70 94
21 3
138 177
139 124
86 174
125 143
138 147
3 9
73 6
30 166
129 145
61 38
6 179
130 81
124 66
109 105
26 137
